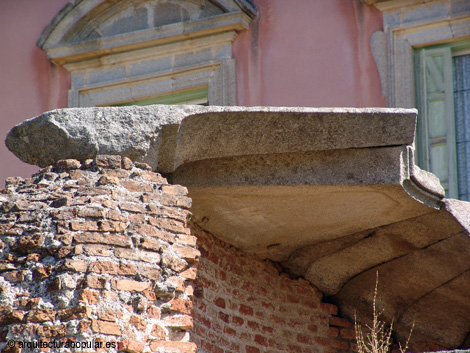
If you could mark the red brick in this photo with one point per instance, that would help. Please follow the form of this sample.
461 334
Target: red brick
176 201
178 282
74 265
182 322
301 338
127 270
112 226
175 190
150 272
12 317
184 306
132 207
173 262
103 238
185 239
108 161
27 303
348 334
131 346
224 317
190 273
79 312
168 224
129 285
108 180
251 349
134 186
329 308
109 295
151 231
84 325
245 310
107 315
106 327
153 312
92 212
236 320
340 322
41 315
139 323
331 343
96 282
191 255
261 340
104 267
41 273
28 242
52 331
14 276
158 331
151 244
89 296
220 302
333 332
94 250
230 331
173 347
137 255
84 226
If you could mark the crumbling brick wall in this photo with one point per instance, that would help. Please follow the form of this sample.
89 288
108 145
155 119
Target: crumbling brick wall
245 305
99 255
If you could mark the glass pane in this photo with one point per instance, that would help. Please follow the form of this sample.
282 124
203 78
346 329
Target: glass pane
439 164
461 75
437 119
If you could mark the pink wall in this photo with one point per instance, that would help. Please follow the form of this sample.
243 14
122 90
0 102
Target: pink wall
312 53
29 85
296 53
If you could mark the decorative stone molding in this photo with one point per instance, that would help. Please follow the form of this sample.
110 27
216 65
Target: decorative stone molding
124 51
410 24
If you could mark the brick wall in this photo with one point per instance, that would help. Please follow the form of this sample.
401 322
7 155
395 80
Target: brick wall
246 305
96 253
101 255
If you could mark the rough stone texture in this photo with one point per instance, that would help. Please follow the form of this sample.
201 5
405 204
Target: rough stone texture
133 132
81 258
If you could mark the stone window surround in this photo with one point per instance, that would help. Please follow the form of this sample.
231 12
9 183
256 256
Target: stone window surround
139 65
393 48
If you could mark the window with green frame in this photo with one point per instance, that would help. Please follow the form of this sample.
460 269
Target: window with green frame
198 96
443 101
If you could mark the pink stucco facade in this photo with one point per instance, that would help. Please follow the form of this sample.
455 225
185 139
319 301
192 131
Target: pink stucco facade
296 53
29 84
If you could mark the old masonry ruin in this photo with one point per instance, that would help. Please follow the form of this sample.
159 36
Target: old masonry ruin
179 229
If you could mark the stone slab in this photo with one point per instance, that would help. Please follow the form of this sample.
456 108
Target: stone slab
82 133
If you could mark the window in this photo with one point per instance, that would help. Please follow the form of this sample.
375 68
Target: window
443 99
148 51
199 97
423 60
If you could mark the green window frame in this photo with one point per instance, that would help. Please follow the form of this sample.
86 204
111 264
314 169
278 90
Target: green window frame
436 131
198 96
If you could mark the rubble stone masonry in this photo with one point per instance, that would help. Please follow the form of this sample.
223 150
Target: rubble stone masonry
99 257
96 257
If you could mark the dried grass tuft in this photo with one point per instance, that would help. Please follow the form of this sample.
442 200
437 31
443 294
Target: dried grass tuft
378 336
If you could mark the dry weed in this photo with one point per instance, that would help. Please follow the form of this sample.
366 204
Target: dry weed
378 336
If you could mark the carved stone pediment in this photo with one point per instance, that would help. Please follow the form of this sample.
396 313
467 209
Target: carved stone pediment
91 28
